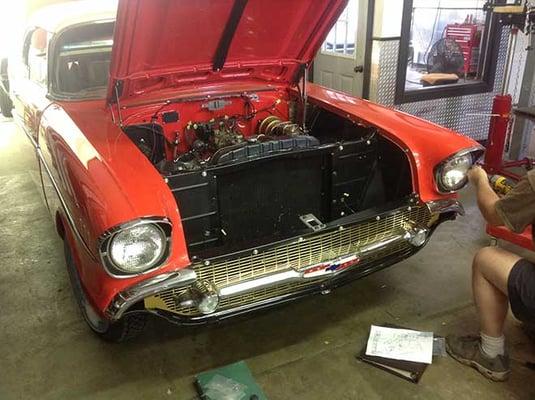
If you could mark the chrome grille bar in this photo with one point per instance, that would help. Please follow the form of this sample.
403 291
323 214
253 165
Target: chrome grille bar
293 275
318 248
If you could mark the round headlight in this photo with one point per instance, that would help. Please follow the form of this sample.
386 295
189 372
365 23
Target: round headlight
451 175
137 249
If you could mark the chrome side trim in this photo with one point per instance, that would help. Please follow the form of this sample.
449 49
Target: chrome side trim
296 275
445 205
20 124
125 299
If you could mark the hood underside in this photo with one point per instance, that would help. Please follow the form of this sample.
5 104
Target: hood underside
176 43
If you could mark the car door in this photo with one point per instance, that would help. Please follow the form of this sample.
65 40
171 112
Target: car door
29 82
339 63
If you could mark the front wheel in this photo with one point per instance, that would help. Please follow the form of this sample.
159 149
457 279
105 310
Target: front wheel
129 326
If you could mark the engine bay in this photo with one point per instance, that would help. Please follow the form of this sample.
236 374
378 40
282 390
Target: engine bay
185 136
246 171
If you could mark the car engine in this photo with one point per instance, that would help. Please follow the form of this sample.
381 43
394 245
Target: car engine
174 145
219 141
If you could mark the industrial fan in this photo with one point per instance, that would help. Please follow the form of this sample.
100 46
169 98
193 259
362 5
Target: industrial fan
445 57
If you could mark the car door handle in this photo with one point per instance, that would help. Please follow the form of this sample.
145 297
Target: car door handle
359 68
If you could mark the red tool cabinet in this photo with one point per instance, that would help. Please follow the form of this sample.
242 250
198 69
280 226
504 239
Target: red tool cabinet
468 37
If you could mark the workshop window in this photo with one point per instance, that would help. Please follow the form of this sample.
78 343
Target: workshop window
448 48
341 38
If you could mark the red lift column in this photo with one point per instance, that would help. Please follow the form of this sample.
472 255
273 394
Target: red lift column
501 114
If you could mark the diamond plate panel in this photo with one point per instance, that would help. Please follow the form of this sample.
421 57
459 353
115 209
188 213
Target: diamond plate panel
519 64
515 88
387 71
450 112
527 148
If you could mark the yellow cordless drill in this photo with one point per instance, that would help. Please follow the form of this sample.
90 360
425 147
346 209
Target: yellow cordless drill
501 184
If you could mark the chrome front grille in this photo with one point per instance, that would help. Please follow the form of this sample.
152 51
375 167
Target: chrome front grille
293 255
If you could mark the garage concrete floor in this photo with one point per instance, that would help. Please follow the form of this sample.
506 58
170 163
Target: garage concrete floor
302 351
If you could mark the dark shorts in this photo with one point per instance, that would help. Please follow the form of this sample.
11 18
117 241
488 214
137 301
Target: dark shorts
521 288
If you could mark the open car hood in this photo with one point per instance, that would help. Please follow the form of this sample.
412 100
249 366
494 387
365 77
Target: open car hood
162 44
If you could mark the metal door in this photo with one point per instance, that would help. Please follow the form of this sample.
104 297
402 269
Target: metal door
339 64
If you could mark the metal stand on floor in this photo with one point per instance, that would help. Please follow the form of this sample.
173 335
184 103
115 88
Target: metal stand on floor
519 18
501 120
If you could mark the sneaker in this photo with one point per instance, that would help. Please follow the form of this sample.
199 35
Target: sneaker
467 350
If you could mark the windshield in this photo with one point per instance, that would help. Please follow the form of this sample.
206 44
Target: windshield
83 61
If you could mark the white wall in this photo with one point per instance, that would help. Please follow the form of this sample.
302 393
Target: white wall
14 19
387 18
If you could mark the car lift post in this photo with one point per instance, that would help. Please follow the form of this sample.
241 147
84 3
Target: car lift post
499 124
519 18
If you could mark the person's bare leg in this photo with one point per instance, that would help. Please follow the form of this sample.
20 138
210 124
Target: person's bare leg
486 352
490 271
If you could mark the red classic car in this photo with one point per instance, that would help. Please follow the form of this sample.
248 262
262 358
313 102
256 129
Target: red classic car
193 172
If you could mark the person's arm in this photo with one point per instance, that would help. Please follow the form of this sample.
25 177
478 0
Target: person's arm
515 210
486 197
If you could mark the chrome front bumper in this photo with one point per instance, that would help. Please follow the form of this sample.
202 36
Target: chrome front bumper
124 300
251 282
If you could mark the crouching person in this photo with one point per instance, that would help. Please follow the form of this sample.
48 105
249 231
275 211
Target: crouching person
499 278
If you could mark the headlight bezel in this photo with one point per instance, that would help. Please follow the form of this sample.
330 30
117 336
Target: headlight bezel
105 241
474 153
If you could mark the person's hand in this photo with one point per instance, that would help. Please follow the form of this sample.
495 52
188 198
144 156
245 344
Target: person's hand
477 175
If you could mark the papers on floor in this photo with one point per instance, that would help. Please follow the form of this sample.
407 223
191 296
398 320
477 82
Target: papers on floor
400 344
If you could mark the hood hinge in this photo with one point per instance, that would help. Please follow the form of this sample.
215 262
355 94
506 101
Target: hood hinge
304 96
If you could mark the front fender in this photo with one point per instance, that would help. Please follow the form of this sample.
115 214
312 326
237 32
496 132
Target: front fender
102 180
426 144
